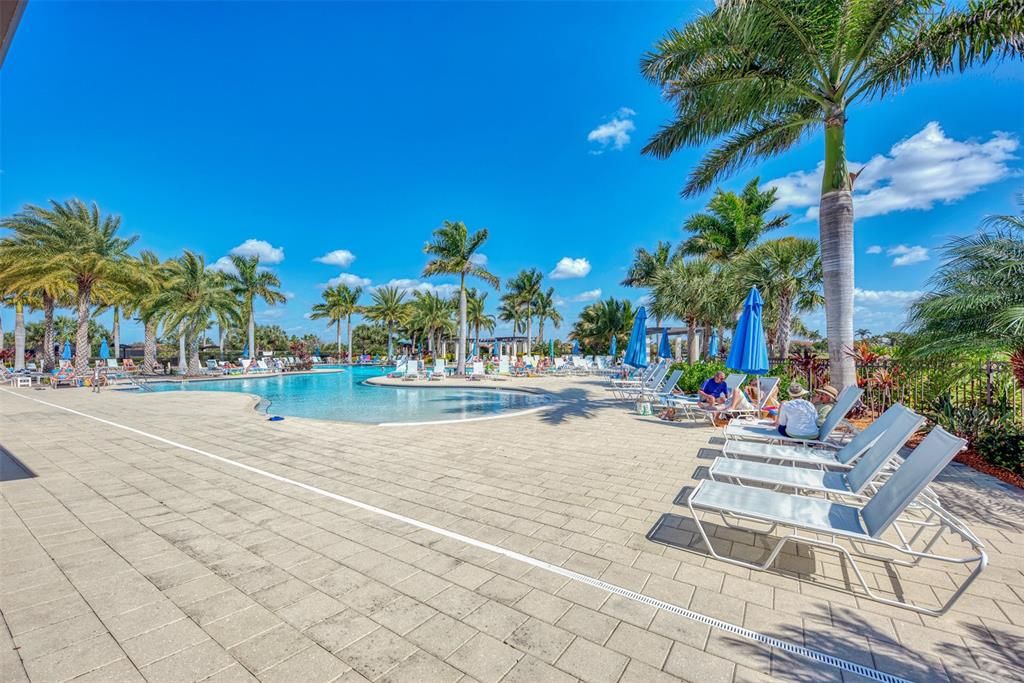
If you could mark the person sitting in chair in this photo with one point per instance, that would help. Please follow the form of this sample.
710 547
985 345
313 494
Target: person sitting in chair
714 392
797 418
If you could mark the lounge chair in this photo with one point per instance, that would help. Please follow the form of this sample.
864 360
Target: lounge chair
823 523
854 482
767 431
438 373
651 384
767 388
65 376
664 392
477 372
504 367
262 365
412 370
129 367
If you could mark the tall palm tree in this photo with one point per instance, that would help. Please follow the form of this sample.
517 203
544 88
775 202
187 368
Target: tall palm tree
733 223
432 315
645 267
524 288
389 308
477 316
456 252
686 289
545 309
153 276
339 303
250 283
760 75
602 320
77 240
787 272
512 311
976 302
192 297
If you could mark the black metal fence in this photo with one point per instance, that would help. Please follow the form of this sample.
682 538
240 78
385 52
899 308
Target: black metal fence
918 385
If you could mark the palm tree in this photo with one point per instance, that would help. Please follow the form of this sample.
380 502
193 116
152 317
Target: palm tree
688 289
455 252
546 310
79 242
249 283
191 298
389 308
512 311
862 332
760 75
733 223
602 320
477 316
976 302
787 272
432 315
645 267
153 276
524 288
339 303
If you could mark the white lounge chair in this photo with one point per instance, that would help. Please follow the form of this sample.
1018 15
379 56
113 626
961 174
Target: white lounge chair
477 372
823 523
664 392
854 482
767 431
438 373
767 388
412 370
651 384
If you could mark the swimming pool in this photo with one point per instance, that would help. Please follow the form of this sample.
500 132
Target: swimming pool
344 396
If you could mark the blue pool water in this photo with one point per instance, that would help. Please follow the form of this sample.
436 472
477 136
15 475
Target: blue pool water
343 396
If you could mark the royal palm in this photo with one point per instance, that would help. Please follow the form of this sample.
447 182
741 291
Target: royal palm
456 252
249 282
339 303
760 76
733 223
389 308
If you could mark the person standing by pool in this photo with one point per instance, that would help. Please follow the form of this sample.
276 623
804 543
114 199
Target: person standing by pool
714 391
797 418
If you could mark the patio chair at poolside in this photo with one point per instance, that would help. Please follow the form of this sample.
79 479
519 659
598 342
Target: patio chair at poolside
438 373
664 392
477 371
854 482
412 370
767 387
767 431
65 376
651 384
812 520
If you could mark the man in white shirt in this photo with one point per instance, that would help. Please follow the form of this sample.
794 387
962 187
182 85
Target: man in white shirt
798 418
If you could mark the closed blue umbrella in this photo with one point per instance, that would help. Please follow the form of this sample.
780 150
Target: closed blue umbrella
66 353
316 351
104 350
551 348
636 350
476 351
613 349
713 344
245 350
749 352
664 348
575 347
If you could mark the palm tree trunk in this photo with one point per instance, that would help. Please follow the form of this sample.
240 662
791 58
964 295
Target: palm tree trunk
252 332
540 330
115 331
1 332
529 329
82 351
782 331
348 323
390 347
337 331
460 355
149 348
19 335
193 354
692 341
182 361
48 356
220 339
836 233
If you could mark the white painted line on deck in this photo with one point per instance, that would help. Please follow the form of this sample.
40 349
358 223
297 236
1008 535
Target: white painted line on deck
786 646
500 416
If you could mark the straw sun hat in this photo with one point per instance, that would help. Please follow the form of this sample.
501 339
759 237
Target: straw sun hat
829 391
796 391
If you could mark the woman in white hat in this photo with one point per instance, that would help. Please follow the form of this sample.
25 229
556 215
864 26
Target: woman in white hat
797 418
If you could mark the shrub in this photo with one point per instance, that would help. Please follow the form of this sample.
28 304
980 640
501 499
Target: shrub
1003 448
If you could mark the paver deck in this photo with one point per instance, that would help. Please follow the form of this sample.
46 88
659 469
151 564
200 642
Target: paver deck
123 557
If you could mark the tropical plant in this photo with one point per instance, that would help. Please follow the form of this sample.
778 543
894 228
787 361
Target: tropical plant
787 272
733 224
456 252
432 316
152 277
512 311
192 297
477 316
546 310
761 75
339 303
249 282
523 291
645 267
388 308
76 242
371 339
600 321
689 290
976 302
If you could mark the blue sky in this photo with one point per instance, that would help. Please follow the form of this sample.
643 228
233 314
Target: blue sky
301 129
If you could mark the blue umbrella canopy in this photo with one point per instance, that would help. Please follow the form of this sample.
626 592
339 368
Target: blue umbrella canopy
713 344
636 350
104 350
749 351
615 341
66 353
475 351
316 351
551 348
664 347
245 350
575 347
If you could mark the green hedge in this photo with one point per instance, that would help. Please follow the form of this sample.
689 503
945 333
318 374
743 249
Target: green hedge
694 375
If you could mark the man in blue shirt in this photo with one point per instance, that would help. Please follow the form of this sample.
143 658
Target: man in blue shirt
714 391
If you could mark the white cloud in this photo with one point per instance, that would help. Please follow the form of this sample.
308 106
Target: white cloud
410 286
270 314
342 258
906 256
589 295
349 280
874 249
479 259
267 253
568 267
289 295
223 264
613 134
927 168
886 297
